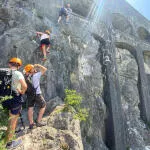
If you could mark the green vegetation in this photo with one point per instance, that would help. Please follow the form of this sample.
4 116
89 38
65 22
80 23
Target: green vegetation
73 104
2 146
3 122
128 148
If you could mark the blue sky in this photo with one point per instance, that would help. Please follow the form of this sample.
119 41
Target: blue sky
143 6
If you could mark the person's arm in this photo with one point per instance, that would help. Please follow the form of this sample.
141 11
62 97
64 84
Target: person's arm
23 86
70 10
39 33
42 68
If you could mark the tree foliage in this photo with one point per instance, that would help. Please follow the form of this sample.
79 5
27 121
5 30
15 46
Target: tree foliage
73 104
3 121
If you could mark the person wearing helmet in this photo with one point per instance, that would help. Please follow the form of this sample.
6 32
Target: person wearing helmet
45 42
34 94
14 104
65 11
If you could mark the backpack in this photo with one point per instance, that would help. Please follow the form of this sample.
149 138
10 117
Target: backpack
31 91
5 82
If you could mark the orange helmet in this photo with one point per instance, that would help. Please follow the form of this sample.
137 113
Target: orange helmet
16 60
47 31
28 67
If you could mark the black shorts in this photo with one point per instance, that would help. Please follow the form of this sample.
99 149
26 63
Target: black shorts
63 12
14 104
45 42
38 99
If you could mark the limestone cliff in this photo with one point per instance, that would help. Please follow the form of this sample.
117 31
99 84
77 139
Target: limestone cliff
103 53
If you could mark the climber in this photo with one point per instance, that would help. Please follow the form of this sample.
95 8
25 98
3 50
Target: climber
65 11
34 76
45 42
14 104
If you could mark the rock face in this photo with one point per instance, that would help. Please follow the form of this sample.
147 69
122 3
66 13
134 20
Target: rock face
103 53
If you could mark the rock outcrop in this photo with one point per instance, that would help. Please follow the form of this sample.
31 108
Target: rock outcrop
61 132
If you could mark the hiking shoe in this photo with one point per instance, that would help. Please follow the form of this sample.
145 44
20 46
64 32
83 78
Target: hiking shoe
32 126
40 124
13 144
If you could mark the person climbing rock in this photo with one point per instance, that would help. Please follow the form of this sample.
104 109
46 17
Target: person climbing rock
44 42
65 11
14 105
34 77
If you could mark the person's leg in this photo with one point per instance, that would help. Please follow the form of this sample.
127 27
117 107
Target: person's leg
30 115
44 51
59 19
30 118
41 102
47 49
12 123
41 113
10 143
67 18
30 105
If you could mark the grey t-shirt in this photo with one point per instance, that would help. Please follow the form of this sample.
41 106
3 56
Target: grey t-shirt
36 82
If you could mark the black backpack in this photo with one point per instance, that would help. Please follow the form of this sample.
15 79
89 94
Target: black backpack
5 82
31 91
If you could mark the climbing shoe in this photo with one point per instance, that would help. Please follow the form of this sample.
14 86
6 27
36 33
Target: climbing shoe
13 144
40 124
32 126
44 59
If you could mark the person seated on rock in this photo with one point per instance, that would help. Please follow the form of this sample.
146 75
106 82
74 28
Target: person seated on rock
44 42
34 76
65 11
14 105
